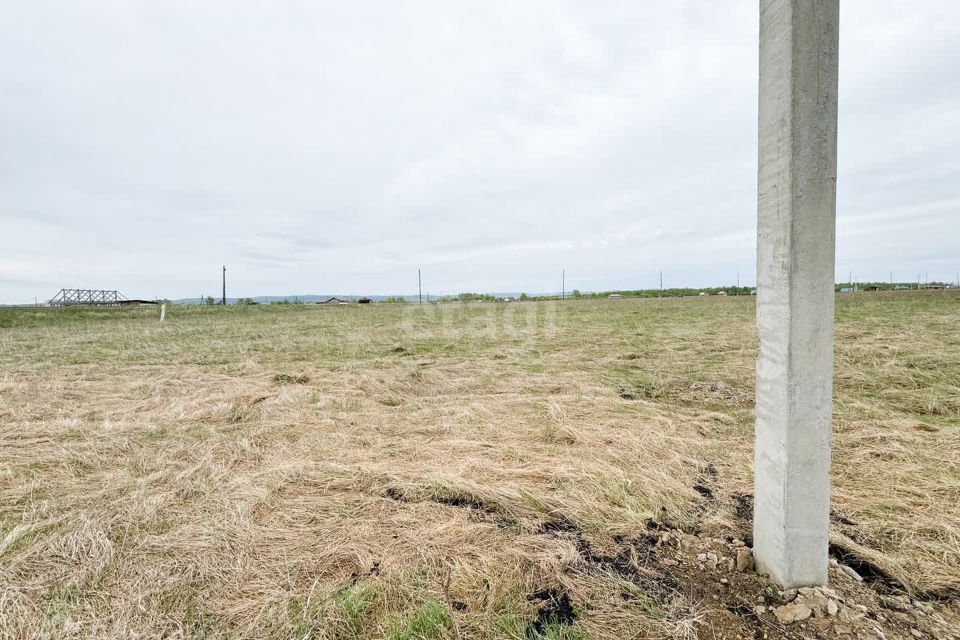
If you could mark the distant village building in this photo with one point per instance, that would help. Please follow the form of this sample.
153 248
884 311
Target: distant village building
137 303
333 300
614 296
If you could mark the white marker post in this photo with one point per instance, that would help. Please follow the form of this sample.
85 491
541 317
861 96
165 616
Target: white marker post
795 297
163 312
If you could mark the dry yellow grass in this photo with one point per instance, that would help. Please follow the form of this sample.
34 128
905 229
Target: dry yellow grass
354 472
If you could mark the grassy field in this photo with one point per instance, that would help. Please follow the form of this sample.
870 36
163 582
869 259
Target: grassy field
452 471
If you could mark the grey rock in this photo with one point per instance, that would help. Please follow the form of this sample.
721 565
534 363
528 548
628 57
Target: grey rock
893 603
850 572
832 608
790 613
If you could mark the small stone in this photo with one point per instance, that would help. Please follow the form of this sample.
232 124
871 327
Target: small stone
915 633
724 581
814 599
892 603
668 562
830 593
790 613
759 609
848 615
834 562
832 608
701 557
744 559
850 572
879 633
712 560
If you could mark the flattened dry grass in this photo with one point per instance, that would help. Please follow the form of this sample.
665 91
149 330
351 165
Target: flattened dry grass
403 472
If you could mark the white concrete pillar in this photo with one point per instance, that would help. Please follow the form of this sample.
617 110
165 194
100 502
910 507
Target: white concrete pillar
795 262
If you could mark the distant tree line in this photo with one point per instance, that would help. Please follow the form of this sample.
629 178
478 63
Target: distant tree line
673 292
890 286
577 294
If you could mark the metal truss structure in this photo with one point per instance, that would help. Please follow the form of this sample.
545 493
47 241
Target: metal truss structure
87 298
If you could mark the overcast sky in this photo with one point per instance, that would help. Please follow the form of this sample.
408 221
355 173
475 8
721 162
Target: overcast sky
335 147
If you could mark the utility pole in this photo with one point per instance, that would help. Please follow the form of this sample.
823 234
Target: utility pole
563 284
223 301
419 286
737 292
661 283
796 235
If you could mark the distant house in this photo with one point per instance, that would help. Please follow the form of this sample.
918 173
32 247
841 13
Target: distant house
333 300
721 293
702 293
615 296
846 290
137 303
